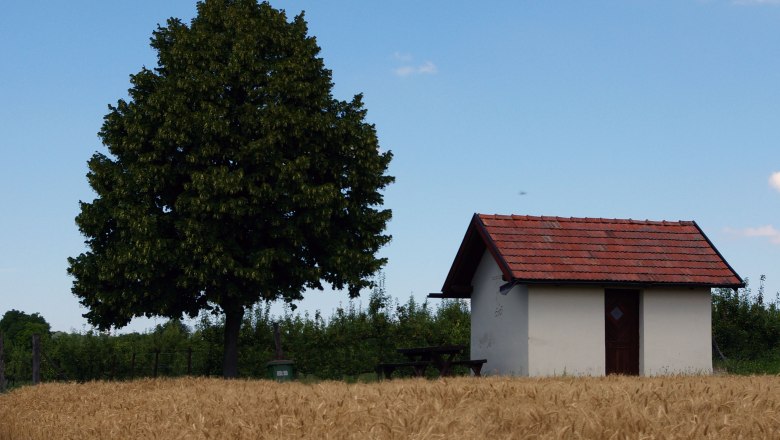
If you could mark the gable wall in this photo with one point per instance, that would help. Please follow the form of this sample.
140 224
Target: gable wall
499 323
675 332
566 331
556 330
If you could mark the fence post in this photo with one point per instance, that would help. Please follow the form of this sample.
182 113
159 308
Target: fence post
132 366
189 361
2 364
156 361
36 359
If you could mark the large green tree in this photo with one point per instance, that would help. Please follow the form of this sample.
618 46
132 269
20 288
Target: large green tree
232 176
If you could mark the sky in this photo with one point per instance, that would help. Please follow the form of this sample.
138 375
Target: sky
660 110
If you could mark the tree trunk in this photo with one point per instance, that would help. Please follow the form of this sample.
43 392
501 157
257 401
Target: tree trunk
234 314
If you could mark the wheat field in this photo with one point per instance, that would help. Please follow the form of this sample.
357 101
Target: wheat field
468 408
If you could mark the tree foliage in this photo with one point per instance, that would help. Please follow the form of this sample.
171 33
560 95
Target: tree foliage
17 328
345 345
744 325
232 176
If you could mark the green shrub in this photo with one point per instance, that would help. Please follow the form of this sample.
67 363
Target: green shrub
745 326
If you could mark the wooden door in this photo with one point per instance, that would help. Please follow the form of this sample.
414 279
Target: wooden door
621 315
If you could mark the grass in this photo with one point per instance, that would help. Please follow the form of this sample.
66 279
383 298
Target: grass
199 408
767 365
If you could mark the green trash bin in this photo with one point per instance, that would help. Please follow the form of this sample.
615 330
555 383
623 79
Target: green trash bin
281 370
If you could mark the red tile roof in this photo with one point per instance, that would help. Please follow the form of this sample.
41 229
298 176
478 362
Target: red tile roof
591 250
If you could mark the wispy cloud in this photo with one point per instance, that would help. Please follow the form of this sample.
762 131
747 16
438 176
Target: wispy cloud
409 68
401 56
767 231
774 180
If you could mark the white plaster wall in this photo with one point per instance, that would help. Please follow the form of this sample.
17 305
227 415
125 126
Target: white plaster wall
566 331
675 332
499 329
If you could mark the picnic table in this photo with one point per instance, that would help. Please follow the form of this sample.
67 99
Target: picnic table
441 357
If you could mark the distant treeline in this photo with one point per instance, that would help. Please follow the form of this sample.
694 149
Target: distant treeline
345 345
746 328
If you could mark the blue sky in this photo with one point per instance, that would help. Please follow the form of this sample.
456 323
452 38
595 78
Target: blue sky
662 110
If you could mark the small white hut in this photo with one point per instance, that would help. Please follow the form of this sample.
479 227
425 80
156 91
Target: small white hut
588 296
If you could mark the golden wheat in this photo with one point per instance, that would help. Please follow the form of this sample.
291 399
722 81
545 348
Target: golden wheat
593 408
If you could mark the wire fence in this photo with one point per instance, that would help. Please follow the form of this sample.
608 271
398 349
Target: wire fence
2 363
84 365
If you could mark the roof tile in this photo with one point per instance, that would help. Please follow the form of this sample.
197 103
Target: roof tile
611 250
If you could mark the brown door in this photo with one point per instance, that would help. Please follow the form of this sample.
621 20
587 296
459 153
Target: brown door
621 313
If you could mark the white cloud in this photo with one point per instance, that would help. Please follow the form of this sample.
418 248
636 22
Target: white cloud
404 71
766 231
427 68
774 180
401 56
409 68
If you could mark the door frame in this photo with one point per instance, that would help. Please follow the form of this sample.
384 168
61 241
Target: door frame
633 297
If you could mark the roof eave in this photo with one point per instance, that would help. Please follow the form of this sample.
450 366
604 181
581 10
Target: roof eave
476 235
712 245
492 248
590 283
626 283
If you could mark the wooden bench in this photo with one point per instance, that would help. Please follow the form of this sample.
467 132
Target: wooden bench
387 368
474 364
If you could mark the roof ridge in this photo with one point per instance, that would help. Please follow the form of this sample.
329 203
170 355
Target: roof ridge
585 219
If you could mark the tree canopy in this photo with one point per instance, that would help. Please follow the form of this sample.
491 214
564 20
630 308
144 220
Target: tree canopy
18 327
232 176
